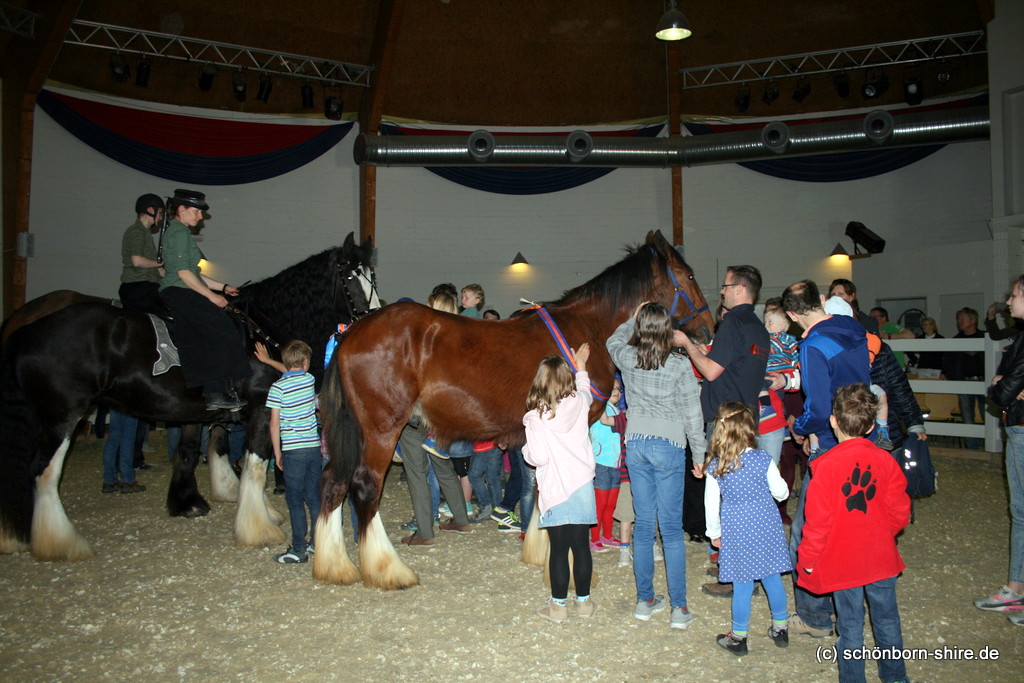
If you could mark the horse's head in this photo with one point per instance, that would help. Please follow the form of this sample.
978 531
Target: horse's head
355 286
676 287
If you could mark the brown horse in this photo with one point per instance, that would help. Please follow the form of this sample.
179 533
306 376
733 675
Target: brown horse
469 379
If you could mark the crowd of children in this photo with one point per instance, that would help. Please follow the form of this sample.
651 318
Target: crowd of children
629 466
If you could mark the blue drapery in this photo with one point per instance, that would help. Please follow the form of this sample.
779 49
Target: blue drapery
523 181
185 167
832 168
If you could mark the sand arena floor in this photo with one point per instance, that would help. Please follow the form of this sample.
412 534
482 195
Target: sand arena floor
173 599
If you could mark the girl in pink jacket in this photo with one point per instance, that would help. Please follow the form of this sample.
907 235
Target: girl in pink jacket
558 444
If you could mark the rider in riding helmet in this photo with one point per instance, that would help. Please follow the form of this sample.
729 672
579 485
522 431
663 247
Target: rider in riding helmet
212 354
140 272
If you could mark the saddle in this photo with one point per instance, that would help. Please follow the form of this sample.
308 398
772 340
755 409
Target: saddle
167 352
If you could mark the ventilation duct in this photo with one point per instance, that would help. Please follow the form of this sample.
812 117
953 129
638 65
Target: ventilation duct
776 139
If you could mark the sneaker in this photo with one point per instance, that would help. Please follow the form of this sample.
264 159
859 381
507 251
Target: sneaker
779 635
1016 618
411 525
290 556
279 490
514 527
610 542
444 511
1002 601
310 550
482 516
586 608
132 487
506 517
111 487
598 548
644 609
797 625
430 446
625 556
552 611
735 645
659 556
681 617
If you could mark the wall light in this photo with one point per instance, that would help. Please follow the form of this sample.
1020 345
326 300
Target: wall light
672 25
520 260
839 250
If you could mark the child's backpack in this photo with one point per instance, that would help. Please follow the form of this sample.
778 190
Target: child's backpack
916 462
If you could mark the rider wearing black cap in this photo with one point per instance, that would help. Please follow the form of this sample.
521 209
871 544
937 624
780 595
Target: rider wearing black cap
140 272
212 355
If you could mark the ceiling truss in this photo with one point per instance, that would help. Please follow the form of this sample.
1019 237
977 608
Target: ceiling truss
150 43
935 48
18 20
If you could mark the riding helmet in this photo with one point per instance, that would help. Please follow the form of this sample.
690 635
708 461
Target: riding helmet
148 204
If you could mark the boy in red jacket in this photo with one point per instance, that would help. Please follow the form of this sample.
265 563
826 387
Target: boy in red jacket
856 504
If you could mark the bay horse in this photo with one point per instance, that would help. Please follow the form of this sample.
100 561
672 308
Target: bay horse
56 368
469 379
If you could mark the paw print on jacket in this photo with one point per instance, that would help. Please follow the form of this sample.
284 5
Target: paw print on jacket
859 489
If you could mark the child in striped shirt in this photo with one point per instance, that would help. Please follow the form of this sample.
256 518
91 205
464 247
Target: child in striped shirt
296 441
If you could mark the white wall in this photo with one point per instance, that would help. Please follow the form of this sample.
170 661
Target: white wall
430 230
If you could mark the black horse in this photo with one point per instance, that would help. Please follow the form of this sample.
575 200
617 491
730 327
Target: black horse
56 368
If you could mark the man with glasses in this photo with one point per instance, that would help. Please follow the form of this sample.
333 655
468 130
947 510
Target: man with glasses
734 368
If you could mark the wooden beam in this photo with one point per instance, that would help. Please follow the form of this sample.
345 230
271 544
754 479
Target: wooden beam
26 66
382 58
674 89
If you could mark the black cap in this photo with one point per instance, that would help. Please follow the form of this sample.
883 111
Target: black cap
146 202
190 198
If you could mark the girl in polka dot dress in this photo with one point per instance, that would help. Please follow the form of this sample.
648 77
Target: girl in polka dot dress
743 522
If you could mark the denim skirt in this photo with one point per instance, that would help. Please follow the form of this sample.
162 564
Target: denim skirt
581 508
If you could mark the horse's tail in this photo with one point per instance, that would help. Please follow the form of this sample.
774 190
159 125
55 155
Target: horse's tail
343 438
19 439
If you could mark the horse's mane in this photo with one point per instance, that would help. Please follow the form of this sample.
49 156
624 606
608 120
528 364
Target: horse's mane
622 283
297 303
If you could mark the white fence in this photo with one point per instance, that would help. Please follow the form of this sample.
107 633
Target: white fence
991 431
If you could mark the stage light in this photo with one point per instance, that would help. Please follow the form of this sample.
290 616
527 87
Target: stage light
333 107
266 85
206 75
119 69
863 237
875 86
842 84
913 90
239 86
771 93
743 100
142 73
802 90
306 92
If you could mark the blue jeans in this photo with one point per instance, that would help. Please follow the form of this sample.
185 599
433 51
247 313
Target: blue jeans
302 468
815 610
514 485
885 623
1015 480
743 591
656 469
772 442
971 405
119 450
529 480
485 477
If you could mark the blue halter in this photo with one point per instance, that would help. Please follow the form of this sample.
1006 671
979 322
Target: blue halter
681 293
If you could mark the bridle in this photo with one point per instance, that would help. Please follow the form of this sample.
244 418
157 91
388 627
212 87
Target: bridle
346 280
680 293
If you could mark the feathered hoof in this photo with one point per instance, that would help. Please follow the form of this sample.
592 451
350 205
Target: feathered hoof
196 511
10 545
394 576
273 513
338 573
195 507
258 535
68 550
